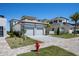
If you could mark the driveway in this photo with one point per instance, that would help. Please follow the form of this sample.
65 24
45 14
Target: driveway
71 45
45 38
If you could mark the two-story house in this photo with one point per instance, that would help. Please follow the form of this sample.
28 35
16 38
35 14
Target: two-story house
32 27
62 24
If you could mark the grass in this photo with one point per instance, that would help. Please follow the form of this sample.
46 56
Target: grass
15 42
65 35
49 51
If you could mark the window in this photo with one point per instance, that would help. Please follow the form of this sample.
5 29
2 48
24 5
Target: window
60 20
28 25
1 31
39 26
55 21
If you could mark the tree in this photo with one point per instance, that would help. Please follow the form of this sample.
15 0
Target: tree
58 31
12 23
23 31
48 28
75 18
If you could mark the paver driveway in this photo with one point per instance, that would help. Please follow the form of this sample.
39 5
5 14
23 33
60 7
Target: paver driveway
71 45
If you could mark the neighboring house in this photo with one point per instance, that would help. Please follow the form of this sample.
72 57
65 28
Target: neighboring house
77 27
32 27
3 33
63 25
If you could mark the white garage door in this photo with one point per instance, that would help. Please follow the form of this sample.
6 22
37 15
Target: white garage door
39 32
29 32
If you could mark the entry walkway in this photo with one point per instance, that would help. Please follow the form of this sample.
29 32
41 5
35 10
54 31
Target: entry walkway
4 48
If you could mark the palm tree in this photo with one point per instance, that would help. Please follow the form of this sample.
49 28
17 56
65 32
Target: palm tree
75 18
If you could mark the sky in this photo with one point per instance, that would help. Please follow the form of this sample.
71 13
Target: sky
39 10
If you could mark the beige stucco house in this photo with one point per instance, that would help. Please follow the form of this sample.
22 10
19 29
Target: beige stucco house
32 27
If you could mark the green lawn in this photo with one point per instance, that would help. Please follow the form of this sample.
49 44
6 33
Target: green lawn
49 51
65 35
15 42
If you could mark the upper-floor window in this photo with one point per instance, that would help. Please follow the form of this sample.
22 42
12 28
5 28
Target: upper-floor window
55 21
60 20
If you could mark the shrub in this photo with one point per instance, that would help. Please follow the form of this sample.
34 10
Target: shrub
18 34
11 34
58 31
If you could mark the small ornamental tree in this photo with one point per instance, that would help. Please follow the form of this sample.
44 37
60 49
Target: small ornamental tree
48 28
23 31
58 31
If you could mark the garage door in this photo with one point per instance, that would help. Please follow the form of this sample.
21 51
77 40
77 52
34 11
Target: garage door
39 32
29 32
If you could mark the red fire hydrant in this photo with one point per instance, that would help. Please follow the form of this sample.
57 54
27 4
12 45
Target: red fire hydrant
37 45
